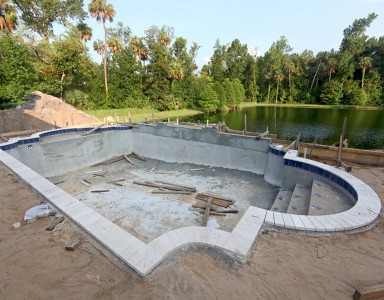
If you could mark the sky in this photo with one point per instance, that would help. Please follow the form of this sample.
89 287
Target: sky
315 25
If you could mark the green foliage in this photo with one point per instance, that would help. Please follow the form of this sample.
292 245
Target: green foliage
41 15
17 75
354 94
78 99
208 99
331 93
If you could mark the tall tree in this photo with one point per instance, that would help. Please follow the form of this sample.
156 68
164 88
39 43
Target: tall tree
103 12
365 63
139 49
40 15
85 32
8 16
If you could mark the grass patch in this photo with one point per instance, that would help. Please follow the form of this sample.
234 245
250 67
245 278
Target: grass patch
138 114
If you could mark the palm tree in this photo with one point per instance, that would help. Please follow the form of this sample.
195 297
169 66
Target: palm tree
365 63
138 48
98 46
115 45
85 32
102 12
8 17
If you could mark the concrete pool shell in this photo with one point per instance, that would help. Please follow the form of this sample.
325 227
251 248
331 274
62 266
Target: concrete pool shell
56 152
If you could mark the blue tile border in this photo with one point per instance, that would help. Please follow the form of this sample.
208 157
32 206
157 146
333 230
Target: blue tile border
276 152
22 141
323 173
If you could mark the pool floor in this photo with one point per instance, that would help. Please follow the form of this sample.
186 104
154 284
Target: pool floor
147 216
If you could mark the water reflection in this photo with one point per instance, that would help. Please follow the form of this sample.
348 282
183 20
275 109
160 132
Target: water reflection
365 128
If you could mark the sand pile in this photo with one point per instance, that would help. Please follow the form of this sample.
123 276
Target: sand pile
42 112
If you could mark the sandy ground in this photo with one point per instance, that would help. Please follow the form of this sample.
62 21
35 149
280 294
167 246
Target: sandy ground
34 264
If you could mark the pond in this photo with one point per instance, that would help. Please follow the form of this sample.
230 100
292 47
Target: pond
364 130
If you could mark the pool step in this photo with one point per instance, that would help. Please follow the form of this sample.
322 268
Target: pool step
326 199
282 201
299 203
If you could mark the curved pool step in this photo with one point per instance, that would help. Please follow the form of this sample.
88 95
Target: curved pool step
299 203
282 200
327 200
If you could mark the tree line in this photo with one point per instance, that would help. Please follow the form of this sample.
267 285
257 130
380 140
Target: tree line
159 70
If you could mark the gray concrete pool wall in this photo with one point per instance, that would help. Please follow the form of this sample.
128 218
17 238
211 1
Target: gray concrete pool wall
53 155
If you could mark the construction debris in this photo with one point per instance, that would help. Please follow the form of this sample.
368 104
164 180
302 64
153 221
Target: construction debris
72 245
167 186
85 182
137 156
130 161
38 211
54 222
216 199
99 191
93 130
371 292
206 213
172 192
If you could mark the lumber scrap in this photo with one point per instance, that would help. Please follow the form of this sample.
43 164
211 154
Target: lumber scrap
215 202
86 183
156 185
54 222
93 130
206 214
130 161
3 138
72 245
186 187
370 292
117 180
100 191
219 197
172 192
214 213
137 156
109 161
150 171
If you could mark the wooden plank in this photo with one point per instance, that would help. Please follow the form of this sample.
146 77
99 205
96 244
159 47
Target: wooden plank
172 192
130 161
206 214
54 222
191 188
134 154
371 292
117 180
85 183
3 138
99 191
215 202
72 245
203 206
93 130
206 194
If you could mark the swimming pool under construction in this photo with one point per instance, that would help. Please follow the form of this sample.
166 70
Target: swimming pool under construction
146 191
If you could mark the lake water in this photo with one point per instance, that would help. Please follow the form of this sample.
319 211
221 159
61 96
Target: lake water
365 128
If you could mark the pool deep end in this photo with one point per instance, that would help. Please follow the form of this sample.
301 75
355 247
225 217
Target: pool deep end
61 151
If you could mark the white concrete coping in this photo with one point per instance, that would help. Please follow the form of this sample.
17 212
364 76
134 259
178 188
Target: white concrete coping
364 212
142 257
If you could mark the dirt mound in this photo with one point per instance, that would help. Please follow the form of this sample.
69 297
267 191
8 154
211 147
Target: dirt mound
42 112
